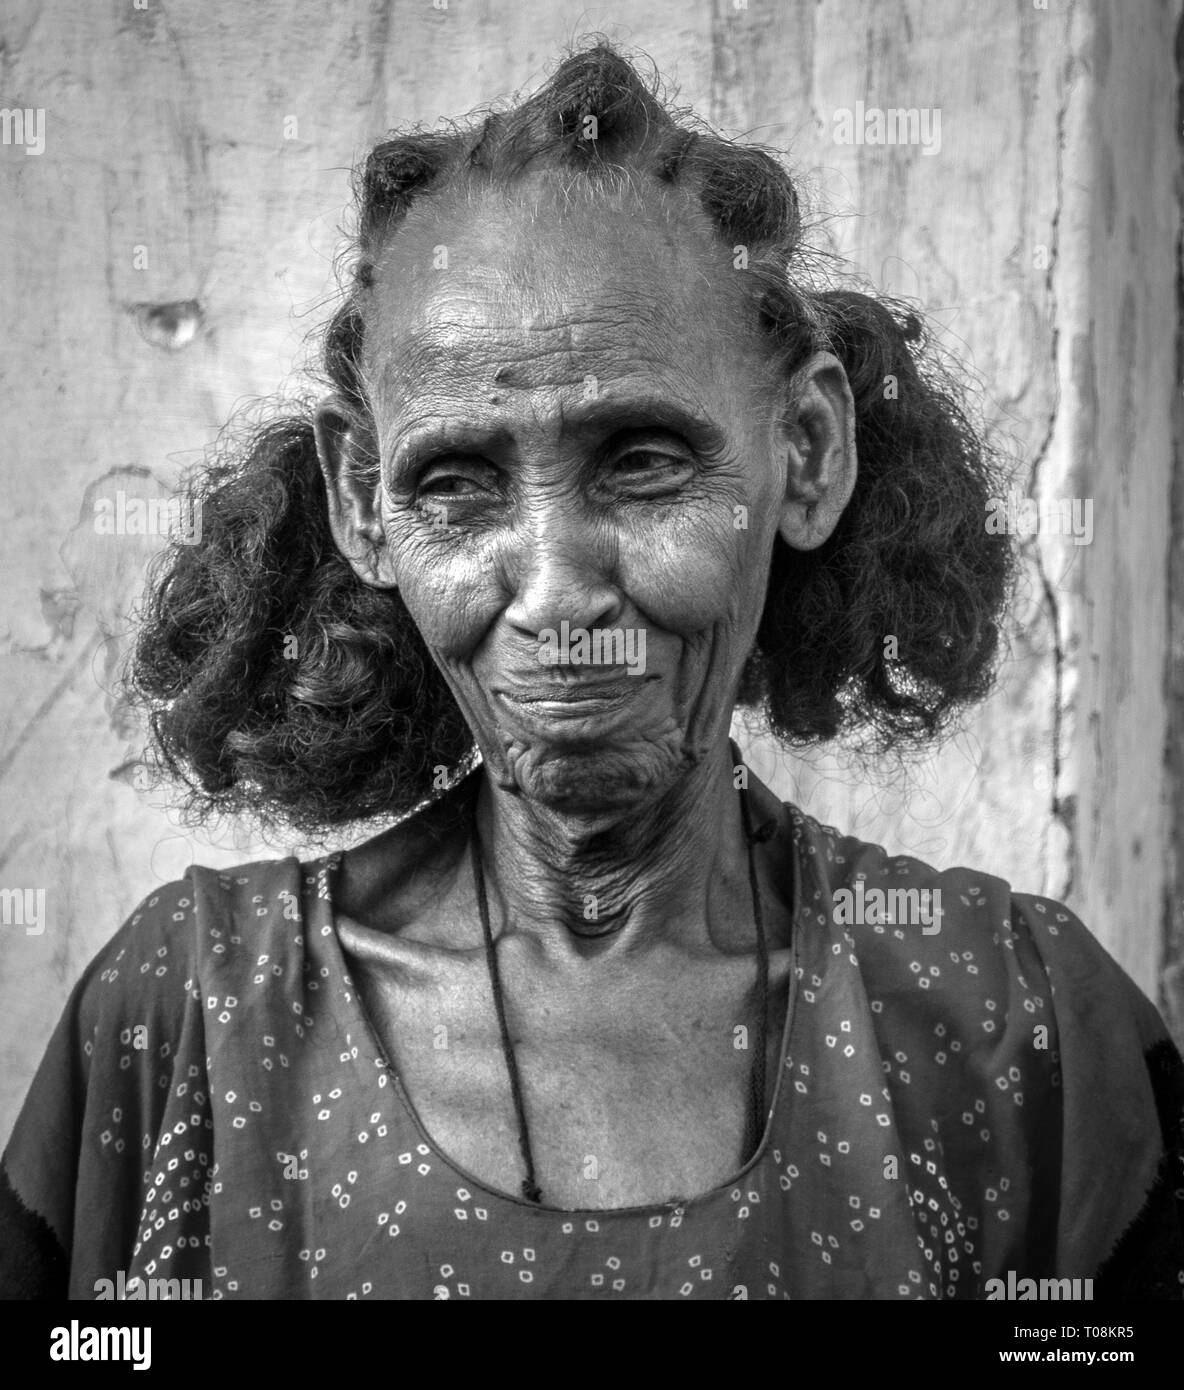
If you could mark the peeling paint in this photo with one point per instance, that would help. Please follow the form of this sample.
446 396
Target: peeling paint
171 326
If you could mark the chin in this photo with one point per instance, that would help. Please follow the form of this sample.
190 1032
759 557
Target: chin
595 779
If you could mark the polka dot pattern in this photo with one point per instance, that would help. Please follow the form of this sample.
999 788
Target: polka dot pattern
241 1126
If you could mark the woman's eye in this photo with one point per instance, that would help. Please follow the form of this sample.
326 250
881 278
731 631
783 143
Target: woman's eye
652 469
455 482
445 486
449 496
644 460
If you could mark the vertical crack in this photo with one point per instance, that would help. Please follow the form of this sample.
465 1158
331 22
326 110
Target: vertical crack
1058 808
1171 984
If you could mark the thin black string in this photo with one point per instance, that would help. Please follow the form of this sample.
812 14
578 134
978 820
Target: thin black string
754 1126
757 1110
530 1187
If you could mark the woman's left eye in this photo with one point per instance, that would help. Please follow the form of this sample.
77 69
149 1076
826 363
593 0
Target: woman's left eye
652 467
644 459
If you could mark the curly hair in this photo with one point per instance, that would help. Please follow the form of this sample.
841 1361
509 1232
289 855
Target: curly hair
282 687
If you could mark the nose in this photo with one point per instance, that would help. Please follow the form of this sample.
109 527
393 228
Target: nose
562 569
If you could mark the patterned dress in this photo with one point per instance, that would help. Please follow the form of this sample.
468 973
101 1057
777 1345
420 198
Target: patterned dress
951 1107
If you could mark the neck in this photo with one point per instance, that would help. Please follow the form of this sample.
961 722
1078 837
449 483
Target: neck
653 872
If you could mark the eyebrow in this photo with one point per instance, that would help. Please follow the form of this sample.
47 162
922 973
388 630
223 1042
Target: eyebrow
585 419
639 412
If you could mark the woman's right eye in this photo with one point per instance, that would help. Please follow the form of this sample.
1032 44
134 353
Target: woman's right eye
451 493
453 480
448 485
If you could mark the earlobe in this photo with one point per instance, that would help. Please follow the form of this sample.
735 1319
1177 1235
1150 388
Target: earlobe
347 453
818 439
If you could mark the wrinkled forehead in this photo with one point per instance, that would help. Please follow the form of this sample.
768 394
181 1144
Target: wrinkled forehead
550 284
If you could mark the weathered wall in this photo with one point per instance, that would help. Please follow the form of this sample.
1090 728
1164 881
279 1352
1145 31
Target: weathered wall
167 254
1173 977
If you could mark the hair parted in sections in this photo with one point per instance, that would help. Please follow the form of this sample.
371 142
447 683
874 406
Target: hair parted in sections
282 687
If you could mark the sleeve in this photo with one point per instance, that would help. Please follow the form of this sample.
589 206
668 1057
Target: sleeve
1121 1189
71 1174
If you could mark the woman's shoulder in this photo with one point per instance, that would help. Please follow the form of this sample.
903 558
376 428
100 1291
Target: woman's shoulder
216 900
1003 1013
903 915
126 1068
865 884
190 957
208 920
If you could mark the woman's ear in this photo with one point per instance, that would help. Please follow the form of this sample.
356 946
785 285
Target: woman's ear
348 455
817 441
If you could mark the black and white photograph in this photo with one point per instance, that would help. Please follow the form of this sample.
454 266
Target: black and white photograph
593 659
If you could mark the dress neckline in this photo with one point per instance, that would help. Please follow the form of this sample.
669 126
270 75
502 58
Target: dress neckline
352 1014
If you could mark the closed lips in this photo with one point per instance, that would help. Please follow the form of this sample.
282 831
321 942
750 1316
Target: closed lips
569 692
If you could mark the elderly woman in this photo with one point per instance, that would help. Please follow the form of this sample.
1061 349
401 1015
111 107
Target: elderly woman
598 1016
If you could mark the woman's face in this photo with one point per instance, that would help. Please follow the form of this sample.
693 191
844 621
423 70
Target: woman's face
579 430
